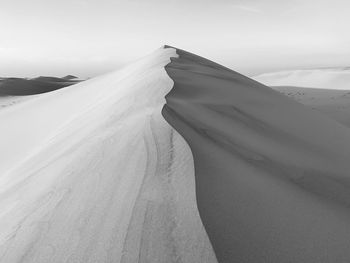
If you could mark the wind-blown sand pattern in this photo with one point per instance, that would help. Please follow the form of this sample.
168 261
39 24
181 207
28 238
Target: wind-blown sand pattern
272 176
93 173
9 101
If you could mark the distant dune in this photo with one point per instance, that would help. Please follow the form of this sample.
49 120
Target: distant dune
328 78
20 86
70 77
173 158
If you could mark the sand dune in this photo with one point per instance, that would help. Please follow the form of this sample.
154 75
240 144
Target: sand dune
70 77
21 86
93 173
333 103
272 176
96 173
327 78
16 90
8 101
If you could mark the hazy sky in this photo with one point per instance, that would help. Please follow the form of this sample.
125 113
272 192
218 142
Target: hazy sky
88 37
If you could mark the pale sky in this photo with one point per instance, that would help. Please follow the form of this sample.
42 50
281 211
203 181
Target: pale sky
90 37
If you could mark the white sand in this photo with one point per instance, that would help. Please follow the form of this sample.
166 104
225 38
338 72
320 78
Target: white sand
8 101
93 173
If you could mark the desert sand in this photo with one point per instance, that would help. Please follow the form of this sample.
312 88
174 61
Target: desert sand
8 101
272 175
22 86
333 103
93 173
322 78
173 158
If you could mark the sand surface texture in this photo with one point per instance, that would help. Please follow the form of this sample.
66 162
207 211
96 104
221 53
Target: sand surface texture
324 78
93 173
333 103
272 175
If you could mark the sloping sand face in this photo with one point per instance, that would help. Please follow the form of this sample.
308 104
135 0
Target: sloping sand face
333 103
272 176
327 78
93 173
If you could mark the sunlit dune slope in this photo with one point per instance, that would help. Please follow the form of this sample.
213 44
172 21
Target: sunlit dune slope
93 173
169 160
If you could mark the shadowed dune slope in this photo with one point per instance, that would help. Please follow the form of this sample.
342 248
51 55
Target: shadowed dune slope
272 176
333 103
324 78
20 87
